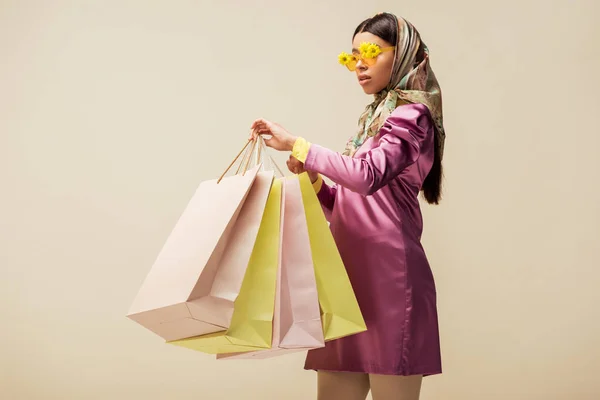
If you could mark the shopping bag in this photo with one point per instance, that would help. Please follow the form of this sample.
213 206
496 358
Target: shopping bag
188 261
340 313
217 299
297 319
251 325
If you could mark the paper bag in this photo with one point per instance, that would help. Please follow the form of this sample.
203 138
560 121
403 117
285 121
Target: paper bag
297 320
251 325
340 312
217 299
188 263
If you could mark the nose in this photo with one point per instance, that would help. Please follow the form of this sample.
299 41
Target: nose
361 66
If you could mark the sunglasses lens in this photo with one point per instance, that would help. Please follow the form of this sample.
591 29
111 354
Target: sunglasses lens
369 61
352 61
351 65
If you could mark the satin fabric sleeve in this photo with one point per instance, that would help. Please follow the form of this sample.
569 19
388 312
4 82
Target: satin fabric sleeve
326 196
400 141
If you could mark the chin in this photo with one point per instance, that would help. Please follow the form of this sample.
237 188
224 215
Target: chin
369 90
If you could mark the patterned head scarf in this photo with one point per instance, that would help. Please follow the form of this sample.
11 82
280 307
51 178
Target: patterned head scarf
412 81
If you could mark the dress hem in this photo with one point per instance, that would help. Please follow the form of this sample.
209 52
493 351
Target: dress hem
374 370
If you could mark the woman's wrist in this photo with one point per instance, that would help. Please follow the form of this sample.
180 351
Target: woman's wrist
291 141
317 182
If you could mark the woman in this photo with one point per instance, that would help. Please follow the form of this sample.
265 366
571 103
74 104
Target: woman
375 217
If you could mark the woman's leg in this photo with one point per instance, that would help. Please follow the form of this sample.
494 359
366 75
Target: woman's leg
342 386
390 387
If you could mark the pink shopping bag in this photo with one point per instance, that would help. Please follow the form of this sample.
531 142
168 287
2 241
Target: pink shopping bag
197 275
297 322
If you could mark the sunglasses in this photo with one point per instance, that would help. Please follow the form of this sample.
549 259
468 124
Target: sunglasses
367 53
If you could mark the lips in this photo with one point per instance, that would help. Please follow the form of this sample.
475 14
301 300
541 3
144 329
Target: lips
363 79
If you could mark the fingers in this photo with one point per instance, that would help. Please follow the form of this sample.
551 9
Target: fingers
260 127
269 142
253 134
293 168
261 124
278 138
257 122
294 165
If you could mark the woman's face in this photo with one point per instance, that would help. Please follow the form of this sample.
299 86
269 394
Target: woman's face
375 78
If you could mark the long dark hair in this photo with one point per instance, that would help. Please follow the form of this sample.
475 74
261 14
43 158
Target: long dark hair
385 26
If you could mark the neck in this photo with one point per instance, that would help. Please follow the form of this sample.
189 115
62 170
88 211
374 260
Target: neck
378 97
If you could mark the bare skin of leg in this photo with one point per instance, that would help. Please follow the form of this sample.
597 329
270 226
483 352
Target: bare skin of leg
384 387
342 385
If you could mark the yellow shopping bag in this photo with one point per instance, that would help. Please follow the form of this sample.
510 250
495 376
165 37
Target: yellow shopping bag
340 313
251 325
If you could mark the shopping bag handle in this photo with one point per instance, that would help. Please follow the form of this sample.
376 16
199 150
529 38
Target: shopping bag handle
271 160
235 159
247 152
257 150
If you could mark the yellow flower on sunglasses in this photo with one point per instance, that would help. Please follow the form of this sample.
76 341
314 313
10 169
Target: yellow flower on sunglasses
345 58
363 47
371 50
367 53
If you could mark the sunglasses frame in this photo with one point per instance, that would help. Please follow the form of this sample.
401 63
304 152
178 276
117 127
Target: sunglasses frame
355 57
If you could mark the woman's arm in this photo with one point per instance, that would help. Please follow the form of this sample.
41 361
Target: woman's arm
401 138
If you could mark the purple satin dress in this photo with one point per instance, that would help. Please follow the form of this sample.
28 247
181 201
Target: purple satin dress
376 221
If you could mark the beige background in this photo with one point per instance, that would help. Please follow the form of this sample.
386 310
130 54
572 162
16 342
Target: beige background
111 112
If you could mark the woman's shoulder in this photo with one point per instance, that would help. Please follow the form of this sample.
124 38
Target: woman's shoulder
413 116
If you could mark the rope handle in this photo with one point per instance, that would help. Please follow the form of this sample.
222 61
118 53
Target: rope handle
246 153
271 160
